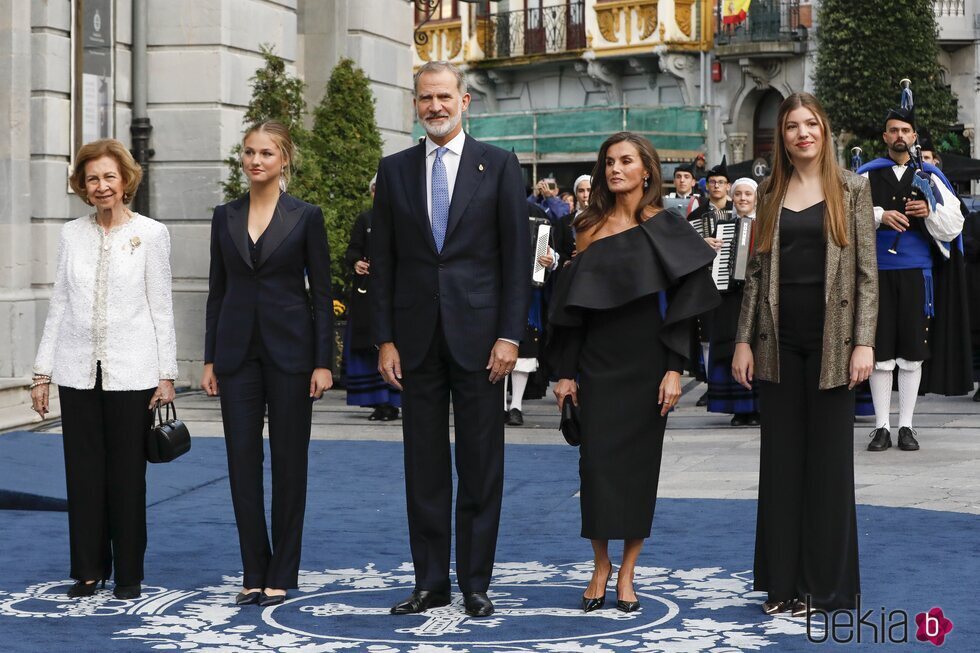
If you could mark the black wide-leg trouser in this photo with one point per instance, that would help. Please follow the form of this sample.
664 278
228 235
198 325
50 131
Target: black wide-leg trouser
806 532
104 434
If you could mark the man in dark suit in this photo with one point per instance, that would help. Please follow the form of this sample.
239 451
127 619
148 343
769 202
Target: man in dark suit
451 265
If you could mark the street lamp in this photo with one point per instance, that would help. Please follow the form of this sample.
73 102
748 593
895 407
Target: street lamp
430 8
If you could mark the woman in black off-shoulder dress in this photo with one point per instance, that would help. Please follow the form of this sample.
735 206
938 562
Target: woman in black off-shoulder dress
619 327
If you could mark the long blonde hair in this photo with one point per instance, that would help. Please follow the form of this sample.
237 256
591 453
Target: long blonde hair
835 218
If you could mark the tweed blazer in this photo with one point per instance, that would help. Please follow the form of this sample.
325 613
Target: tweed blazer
850 293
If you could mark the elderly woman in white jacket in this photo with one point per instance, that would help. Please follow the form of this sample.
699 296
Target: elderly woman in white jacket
109 344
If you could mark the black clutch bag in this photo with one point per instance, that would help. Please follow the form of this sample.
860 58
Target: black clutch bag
569 425
168 438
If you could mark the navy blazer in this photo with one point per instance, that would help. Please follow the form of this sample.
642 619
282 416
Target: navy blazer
296 326
479 285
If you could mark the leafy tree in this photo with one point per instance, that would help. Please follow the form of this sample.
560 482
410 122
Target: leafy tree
864 49
347 143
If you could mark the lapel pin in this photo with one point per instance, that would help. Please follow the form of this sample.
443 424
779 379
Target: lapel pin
481 167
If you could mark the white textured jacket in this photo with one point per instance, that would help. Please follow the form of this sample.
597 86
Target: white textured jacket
111 303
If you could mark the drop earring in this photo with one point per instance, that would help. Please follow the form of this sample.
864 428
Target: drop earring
646 182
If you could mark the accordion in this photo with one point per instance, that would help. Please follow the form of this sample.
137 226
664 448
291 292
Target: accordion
540 242
730 263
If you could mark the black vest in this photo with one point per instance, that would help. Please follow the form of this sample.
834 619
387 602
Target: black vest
891 194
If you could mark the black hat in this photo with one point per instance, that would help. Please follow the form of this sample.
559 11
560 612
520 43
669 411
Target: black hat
685 167
925 140
905 115
720 170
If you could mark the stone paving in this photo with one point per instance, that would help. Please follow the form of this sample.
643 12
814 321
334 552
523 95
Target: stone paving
704 457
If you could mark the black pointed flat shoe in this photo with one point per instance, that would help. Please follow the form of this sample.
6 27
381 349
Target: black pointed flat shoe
82 588
265 600
127 592
248 598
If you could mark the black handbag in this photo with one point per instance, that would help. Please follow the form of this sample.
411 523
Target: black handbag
569 425
168 438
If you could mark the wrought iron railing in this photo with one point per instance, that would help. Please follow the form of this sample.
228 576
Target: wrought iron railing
766 20
949 7
538 30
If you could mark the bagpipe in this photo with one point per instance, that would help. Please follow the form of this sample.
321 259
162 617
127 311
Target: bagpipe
923 187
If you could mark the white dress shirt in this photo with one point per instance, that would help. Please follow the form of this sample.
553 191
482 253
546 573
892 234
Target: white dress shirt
450 159
945 223
111 303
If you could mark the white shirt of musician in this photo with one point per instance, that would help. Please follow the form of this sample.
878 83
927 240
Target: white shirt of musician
945 223
450 159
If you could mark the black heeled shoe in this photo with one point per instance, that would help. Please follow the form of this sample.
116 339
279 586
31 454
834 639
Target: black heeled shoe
626 606
265 600
588 605
776 607
127 592
248 598
82 588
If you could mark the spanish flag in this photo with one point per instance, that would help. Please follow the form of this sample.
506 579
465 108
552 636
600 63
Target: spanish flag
733 11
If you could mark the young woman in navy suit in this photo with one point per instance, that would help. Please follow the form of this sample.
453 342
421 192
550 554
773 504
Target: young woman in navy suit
268 345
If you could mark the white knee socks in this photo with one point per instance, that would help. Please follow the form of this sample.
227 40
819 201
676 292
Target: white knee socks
881 397
908 392
519 383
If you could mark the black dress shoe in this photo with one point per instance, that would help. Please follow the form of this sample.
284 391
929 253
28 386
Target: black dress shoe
755 419
881 439
377 415
265 600
390 413
515 417
740 419
588 605
81 588
906 439
775 607
627 606
477 604
127 592
420 601
703 401
248 598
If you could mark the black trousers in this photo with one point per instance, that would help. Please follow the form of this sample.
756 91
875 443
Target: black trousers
806 532
244 396
428 468
104 435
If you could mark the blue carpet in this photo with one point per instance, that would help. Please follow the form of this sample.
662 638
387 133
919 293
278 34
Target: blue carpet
694 581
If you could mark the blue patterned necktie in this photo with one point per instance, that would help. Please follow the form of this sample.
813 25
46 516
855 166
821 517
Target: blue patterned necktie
440 199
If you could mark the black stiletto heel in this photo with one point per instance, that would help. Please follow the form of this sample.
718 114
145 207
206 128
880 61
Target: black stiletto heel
588 605
82 588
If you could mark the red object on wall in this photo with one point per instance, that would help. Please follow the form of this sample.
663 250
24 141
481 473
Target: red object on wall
716 71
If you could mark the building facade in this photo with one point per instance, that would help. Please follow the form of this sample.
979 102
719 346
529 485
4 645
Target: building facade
68 71
551 78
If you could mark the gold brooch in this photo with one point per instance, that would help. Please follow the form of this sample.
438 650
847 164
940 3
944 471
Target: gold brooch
134 242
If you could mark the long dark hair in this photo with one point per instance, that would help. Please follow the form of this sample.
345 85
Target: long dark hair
769 206
602 200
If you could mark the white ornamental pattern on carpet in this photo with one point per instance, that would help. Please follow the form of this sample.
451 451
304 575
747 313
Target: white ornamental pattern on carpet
347 610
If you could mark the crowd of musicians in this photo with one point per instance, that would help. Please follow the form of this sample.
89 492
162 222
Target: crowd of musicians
786 297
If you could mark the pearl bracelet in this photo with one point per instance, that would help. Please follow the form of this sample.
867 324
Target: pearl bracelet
38 383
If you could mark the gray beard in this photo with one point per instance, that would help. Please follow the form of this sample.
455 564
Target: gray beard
439 132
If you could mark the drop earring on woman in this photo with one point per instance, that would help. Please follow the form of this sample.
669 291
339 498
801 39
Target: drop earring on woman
282 181
646 182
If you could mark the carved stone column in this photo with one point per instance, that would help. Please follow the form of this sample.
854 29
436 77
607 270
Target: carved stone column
736 144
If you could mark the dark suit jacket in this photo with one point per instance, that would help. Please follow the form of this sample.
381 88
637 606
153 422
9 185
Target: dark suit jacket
479 285
272 297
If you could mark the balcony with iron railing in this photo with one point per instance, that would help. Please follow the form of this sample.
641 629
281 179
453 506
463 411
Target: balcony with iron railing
533 31
770 28
957 20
